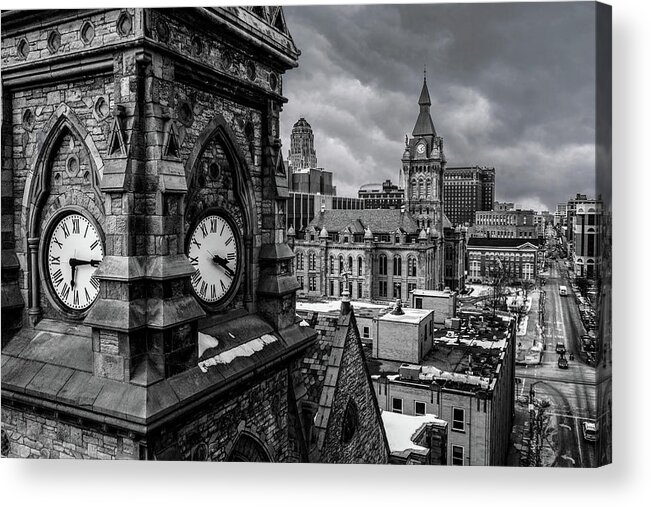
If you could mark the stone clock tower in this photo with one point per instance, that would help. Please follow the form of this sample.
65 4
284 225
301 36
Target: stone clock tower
421 177
143 232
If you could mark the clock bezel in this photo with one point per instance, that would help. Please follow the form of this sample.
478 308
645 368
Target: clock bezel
223 303
44 274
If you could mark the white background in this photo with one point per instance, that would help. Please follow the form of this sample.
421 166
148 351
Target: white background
626 482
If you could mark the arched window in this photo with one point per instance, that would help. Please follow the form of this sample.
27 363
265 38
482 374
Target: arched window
428 188
341 264
411 266
350 422
397 266
360 267
332 264
382 264
299 261
350 266
421 189
312 261
414 188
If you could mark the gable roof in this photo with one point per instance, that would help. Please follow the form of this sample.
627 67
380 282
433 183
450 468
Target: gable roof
378 220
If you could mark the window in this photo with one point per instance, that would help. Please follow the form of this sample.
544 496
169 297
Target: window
367 332
312 261
458 419
341 264
397 290
300 281
359 290
419 407
411 287
350 422
332 264
457 455
397 266
411 267
313 283
382 267
383 288
350 266
396 405
419 303
299 261
360 265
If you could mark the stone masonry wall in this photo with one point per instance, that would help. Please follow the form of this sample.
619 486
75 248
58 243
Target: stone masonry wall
30 435
367 444
260 410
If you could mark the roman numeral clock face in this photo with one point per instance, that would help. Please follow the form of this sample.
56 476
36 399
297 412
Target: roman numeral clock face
74 251
213 250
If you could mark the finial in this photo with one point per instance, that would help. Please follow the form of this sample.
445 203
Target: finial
425 73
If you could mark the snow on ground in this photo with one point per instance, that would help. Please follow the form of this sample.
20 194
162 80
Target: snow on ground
246 349
480 290
333 306
400 429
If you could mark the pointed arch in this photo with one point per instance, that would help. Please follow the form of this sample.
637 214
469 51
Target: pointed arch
37 186
218 129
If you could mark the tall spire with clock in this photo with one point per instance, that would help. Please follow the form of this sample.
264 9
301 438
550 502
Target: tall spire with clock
421 175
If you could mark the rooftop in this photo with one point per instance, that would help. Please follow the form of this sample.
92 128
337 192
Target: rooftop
502 242
378 220
408 315
433 293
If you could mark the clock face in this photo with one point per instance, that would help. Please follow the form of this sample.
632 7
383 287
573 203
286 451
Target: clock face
214 251
73 252
420 148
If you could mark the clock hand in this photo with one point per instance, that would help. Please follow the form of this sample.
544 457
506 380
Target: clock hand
73 270
76 262
223 263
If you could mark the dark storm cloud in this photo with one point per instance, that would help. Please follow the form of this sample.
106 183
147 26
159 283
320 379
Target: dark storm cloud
512 86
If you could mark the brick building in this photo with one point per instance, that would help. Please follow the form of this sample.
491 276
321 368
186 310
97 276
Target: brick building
467 190
518 259
133 140
384 195
466 379
508 223
384 252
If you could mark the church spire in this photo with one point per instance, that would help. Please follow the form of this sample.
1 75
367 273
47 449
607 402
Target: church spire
424 124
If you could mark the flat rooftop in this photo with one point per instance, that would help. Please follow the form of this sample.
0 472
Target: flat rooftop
433 293
408 315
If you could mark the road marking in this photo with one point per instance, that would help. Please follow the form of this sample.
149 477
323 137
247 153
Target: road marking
566 426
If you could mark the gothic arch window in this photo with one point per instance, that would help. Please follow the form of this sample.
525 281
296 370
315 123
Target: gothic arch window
414 188
350 422
360 266
332 264
382 264
350 263
397 266
249 449
341 264
411 266
299 261
428 188
312 261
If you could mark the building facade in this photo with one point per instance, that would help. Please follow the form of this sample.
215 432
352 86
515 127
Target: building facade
515 259
512 223
467 190
381 254
587 237
381 195
302 154
303 207
132 140
467 380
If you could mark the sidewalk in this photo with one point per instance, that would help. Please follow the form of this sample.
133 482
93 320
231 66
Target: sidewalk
529 344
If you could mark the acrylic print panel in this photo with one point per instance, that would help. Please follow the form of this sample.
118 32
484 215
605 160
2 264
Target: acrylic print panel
226 238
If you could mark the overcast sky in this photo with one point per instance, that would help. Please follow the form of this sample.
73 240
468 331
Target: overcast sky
512 87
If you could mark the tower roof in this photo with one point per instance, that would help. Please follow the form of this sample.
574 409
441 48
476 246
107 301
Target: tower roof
424 124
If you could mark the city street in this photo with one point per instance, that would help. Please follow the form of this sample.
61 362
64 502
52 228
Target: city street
571 392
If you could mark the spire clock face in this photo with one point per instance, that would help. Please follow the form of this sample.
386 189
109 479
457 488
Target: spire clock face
420 149
73 252
214 251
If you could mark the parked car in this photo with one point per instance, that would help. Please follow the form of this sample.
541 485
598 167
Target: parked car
560 348
589 431
562 363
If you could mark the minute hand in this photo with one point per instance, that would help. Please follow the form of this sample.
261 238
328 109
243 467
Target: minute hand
76 262
223 263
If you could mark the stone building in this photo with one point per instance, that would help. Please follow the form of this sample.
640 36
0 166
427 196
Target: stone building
517 259
467 190
150 287
383 252
587 237
302 207
467 380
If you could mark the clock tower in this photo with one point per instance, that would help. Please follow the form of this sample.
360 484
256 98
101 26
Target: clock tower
421 176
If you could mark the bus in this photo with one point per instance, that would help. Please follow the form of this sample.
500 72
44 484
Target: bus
562 290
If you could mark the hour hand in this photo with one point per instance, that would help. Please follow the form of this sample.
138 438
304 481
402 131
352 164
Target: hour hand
217 259
77 262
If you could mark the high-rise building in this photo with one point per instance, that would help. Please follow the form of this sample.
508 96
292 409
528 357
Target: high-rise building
467 190
302 154
507 223
587 237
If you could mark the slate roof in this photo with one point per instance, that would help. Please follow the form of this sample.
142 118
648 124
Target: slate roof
378 220
424 124
502 242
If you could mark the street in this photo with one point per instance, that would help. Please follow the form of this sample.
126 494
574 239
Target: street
571 392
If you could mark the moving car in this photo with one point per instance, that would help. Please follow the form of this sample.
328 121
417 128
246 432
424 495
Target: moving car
560 348
562 290
589 431
562 363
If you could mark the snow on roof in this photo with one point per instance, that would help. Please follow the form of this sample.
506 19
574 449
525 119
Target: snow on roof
432 372
410 315
472 342
433 293
400 429
332 306
246 349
